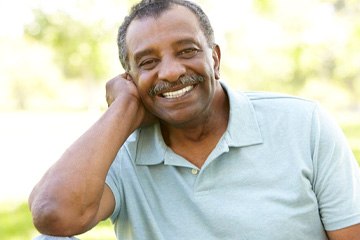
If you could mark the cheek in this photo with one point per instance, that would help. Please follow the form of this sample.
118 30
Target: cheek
205 65
144 83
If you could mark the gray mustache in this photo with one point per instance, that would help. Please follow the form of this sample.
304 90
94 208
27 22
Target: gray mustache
165 86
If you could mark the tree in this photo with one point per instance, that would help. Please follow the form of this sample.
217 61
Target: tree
78 46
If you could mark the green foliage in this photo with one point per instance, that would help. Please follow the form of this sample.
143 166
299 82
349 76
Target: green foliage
16 224
285 45
269 45
352 133
264 6
78 45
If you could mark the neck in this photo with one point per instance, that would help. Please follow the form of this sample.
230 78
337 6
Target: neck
196 140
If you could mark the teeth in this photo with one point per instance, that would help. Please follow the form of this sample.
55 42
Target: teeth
178 93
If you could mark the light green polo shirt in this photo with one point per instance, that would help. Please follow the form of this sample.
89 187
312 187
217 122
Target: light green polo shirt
282 170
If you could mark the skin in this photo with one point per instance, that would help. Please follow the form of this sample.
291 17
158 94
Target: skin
72 197
193 123
349 233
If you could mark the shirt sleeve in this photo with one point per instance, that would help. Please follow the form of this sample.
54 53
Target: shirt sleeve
336 174
113 180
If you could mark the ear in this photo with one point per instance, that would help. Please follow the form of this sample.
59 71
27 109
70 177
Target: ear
216 55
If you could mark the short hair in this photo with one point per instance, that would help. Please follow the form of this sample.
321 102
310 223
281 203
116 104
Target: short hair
154 8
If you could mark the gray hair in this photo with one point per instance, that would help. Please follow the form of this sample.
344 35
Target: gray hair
154 8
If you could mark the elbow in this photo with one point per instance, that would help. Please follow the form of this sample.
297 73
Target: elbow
48 219
51 219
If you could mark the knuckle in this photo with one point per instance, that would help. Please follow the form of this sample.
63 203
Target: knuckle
108 84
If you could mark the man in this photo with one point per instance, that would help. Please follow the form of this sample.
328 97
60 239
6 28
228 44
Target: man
179 155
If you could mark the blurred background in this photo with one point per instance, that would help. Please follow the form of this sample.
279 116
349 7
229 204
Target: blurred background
56 56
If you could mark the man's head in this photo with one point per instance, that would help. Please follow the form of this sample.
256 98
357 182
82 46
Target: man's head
172 62
154 8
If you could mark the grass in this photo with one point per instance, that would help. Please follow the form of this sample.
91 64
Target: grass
16 224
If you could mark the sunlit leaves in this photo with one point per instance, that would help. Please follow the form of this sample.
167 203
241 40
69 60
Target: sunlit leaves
78 46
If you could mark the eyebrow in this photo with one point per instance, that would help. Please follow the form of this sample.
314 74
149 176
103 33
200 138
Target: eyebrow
186 41
140 54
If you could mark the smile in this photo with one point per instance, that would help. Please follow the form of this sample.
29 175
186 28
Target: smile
178 93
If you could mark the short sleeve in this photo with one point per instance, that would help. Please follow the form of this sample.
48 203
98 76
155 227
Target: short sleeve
336 174
113 180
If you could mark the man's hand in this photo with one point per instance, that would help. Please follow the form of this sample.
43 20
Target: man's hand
72 196
123 88
121 84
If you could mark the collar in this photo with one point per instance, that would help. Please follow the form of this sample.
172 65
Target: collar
243 130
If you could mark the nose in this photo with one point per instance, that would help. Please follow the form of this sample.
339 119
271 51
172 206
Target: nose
171 69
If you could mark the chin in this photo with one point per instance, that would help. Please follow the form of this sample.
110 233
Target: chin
182 120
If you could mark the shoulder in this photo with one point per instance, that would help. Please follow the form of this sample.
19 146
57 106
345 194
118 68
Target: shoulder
277 110
269 101
279 98
278 103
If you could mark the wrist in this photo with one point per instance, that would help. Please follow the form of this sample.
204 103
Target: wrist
129 113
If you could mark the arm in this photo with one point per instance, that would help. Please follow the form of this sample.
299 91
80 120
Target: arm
337 183
349 233
72 196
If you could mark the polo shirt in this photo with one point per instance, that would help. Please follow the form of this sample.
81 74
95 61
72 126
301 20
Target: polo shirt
281 170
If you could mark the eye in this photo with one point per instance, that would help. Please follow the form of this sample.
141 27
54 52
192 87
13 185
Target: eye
188 52
148 64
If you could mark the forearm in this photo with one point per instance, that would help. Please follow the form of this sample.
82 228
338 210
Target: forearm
349 233
73 187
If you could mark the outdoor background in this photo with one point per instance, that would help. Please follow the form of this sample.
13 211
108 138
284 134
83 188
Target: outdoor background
55 57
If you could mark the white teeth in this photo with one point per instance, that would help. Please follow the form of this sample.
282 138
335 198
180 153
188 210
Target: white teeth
178 93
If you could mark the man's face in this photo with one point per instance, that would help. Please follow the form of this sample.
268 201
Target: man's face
172 65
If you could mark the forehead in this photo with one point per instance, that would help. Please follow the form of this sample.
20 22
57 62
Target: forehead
175 23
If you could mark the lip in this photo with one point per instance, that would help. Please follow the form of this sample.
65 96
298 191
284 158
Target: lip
175 89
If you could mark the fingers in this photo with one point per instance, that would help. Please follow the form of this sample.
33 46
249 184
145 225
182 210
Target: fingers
109 96
112 87
109 100
109 90
127 76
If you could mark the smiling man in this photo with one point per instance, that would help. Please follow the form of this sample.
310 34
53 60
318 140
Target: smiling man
179 155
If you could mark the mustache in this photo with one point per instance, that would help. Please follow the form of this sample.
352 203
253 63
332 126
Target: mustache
183 80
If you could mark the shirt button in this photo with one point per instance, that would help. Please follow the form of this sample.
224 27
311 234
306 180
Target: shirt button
194 171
